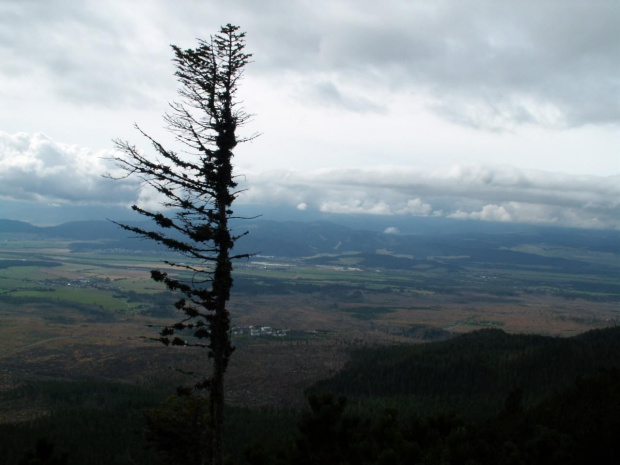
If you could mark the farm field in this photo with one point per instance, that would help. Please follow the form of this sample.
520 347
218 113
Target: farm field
91 314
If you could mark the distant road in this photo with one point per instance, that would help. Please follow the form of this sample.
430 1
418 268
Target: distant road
43 341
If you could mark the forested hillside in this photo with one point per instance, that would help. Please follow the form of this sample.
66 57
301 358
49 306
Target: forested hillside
472 373
486 397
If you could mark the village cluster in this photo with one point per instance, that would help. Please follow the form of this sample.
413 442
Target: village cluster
255 331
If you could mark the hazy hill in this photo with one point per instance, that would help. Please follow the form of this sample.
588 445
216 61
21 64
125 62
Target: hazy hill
454 243
12 226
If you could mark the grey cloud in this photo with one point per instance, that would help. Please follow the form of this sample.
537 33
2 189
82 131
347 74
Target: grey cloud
81 51
34 167
329 94
490 183
486 63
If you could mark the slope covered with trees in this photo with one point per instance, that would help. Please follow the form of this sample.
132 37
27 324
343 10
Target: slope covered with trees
472 373
486 397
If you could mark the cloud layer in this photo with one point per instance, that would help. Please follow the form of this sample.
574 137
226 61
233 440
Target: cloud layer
34 167
485 63
490 193
488 63
475 94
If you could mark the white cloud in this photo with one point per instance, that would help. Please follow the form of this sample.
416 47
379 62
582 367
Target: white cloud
356 206
489 193
417 207
34 167
517 212
391 230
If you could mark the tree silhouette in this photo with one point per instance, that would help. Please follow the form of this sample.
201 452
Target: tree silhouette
44 454
198 188
179 429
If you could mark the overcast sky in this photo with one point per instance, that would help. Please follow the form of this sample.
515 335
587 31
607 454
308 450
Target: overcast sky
495 110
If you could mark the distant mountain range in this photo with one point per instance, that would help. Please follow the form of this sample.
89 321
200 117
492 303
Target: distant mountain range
478 241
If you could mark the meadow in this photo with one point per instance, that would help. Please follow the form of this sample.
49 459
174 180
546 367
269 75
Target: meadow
70 314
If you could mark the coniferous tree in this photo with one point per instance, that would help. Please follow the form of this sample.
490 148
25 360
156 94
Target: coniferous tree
44 454
179 429
199 188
